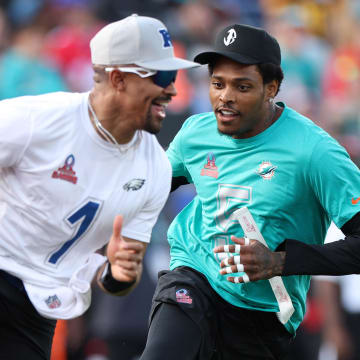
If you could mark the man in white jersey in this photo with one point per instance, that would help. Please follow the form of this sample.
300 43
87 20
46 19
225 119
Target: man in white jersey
264 174
78 170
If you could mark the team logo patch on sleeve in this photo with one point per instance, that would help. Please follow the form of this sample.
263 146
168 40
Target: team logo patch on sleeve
182 296
210 169
134 184
266 170
66 172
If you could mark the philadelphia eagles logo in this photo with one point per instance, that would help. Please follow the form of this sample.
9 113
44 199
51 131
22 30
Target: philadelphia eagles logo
134 184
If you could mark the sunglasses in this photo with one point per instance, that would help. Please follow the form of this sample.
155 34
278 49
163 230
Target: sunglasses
161 78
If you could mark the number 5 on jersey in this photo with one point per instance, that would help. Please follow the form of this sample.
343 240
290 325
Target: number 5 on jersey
229 197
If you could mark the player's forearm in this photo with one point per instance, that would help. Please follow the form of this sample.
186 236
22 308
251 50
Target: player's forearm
337 258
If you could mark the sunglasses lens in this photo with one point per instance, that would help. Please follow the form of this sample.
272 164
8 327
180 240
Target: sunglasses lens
164 78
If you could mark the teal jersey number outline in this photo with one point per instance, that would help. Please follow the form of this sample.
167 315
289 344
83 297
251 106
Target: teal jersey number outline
227 195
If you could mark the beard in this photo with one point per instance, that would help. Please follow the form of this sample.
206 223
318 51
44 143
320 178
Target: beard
226 134
233 133
151 125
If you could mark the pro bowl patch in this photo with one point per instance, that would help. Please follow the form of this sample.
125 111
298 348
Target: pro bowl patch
182 296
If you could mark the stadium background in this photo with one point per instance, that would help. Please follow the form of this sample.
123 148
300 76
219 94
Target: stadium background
44 48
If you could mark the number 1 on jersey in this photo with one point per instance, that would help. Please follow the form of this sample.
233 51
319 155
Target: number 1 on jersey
86 215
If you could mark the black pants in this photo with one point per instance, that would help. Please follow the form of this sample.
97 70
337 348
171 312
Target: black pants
189 320
24 334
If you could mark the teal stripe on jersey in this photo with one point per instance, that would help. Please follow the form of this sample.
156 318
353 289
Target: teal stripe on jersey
293 177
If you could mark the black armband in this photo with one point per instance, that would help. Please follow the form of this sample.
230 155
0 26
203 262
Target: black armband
112 285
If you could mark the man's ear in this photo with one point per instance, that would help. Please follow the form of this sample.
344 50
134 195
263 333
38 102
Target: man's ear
272 89
117 79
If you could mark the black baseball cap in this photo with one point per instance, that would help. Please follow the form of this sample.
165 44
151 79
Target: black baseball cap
244 44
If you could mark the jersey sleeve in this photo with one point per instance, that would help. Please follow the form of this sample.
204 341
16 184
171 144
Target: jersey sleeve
175 155
335 181
141 225
15 133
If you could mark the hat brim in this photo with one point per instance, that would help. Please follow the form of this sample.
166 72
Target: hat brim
168 64
209 56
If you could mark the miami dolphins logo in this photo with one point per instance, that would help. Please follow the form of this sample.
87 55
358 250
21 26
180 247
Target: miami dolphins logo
266 170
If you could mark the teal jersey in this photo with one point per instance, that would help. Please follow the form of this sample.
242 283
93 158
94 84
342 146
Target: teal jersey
293 177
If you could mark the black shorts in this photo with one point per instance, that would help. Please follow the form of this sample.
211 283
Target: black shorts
24 334
189 320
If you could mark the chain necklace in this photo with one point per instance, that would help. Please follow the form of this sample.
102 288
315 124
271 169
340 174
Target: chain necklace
108 136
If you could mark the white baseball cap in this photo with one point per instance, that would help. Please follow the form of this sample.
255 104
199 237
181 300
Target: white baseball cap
139 40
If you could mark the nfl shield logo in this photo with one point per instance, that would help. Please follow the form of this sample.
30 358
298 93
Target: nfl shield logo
53 302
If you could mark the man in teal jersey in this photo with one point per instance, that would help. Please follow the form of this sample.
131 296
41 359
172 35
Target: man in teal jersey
261 171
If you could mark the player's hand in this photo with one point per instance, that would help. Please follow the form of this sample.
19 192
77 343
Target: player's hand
251 257
125 255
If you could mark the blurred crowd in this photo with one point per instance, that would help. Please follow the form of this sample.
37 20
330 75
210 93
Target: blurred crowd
44 48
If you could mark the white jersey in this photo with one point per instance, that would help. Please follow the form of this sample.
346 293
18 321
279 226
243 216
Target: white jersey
61 186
